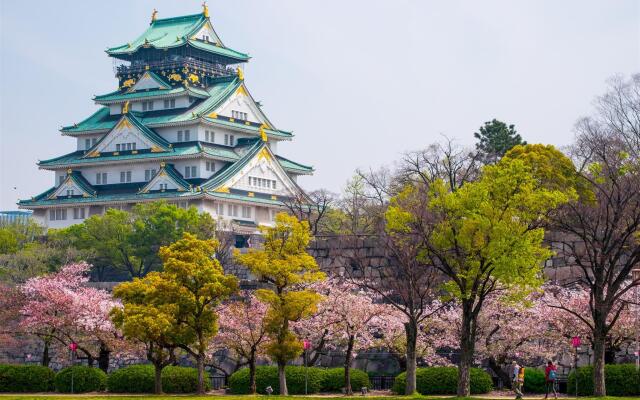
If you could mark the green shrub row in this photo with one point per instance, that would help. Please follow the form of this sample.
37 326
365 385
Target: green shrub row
534 381
26 378
141 379
133 379
319 379
620 380
443 380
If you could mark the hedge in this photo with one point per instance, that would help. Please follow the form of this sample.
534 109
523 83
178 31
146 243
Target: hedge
443 380
268 376
85 379
534 381
620 380
141 379
26 378
182 380
334 380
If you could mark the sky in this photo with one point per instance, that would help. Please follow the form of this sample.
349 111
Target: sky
359 82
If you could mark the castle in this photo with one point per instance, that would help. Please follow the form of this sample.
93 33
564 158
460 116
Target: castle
181 127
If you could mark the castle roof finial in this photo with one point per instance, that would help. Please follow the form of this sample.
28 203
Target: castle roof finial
153 15
240 73
263 134
125 109
205 10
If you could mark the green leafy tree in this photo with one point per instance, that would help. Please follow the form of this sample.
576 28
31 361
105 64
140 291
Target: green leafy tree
495 138
146 321
484 237
194 283
286 265
130 241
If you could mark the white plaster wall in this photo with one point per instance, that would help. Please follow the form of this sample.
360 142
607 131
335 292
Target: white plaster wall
45 219
81 141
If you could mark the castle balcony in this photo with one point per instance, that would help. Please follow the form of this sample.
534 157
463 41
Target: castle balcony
210 69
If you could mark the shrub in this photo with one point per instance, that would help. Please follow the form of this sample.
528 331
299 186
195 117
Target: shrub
620 380
85 379
26 378
268 376
443 380
181 380
333 380
534 381
133 379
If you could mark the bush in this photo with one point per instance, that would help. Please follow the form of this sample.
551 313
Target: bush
181 380
133 379
26 378
534 381
85 379
443 380
333 380
268 376
620 380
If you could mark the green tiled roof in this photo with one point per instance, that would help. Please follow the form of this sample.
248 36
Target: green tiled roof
218 93
174 32
120 96
41 199
293 166
170 170
223 175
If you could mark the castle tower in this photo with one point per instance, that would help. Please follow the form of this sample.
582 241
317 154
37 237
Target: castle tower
182 127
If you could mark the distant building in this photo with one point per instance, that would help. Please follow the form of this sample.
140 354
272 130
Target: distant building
181 127
10 217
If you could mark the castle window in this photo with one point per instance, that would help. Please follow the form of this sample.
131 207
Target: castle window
190 172
246 212
179 136
232 210
163 186
78 213
169 103
211 166
69 192
125 176
209 136
187 135
59 214
228 140
87 144
262 183
94 141
61 179
147 106
101 178
219 208
239 115
148 174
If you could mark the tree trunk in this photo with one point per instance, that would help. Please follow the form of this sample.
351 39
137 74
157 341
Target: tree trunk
252 372
599 388
157 387
200 365
500 373
103 358
467 347
411 331
347 366
282 379
46 359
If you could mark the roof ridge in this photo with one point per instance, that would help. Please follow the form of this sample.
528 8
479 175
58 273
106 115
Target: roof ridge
178 18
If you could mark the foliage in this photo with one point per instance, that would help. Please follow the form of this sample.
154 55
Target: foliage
130 240
140 379
620 380
284 263
268 376
60 306
333 380
26 378
131 379
444 380
534 381
85 379
182 380
495 138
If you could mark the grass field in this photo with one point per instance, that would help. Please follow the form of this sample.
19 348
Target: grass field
230 397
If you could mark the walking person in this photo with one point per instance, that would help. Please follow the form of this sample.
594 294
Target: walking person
550 376
518 379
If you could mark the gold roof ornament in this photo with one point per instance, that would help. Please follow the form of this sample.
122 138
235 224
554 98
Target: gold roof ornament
125 109
162 164
240 73
205 10
153 15
263 134
69 171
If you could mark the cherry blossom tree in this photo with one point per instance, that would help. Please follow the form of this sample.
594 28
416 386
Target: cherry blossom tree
61 307
242 330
